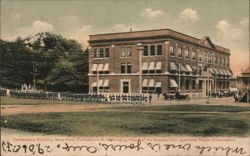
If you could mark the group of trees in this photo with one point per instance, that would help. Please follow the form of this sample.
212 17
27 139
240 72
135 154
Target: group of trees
60 64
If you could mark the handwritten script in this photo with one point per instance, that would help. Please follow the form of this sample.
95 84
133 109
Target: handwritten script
104 148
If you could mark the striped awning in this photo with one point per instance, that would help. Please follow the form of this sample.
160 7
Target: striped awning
94 67
100 83
173 66
145 66
106 83
173 83
151 83
189 69
94 84
151 66
145 83
228 73
100 67
181 67
106 67
158 84
158 66
211 70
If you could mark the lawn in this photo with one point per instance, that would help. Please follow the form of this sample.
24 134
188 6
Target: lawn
132 123
18 101
132 120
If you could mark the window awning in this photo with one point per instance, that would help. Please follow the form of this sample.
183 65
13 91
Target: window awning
189 69
145 83
94 67
182 68
106 67
151 83
145 66
106 83
151 66
211 70
173 66
100 83
228 72
158 84
100 67
215 71
94 84
173 83
220 71
158 66
224 72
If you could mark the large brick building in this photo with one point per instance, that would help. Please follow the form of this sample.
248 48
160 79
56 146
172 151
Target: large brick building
157 61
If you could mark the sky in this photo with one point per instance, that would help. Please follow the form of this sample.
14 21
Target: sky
226 22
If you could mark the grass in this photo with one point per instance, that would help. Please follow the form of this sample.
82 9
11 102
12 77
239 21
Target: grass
18 101
133 120
104 123
184 108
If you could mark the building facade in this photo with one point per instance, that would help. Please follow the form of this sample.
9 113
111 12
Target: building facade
157 61
243 85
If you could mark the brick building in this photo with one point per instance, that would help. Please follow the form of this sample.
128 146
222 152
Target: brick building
157 61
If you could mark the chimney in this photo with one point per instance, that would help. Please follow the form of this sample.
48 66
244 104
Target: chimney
131 29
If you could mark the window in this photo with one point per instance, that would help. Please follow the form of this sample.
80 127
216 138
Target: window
159 49
101 53
122 68
218 61
95 53
145 51
193 84
152 50
209 59
129 68
125 87
171 51
186 53
193 55
205 57
223 61
187 84
200 56
106 52
214 60
123 52
179 52
200 84
128 51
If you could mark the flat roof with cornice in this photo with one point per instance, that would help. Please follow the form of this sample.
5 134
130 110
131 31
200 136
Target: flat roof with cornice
157 33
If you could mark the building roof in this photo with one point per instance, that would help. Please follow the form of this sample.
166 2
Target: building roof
205 41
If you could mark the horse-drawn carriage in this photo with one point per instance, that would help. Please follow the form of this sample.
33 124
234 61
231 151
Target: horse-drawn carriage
177 96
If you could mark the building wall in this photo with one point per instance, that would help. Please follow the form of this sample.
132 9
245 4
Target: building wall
115 59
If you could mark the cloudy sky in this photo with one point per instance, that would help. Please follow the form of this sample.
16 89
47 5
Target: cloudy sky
226 22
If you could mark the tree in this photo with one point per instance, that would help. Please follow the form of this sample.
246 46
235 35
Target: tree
60 62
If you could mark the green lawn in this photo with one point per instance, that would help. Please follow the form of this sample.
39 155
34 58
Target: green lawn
109 123
133 120
19 101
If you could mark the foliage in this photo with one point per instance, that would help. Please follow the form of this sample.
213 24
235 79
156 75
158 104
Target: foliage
59 62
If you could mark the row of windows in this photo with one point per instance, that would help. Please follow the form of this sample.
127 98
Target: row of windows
152 50
206 58
126 52
101 52
126 68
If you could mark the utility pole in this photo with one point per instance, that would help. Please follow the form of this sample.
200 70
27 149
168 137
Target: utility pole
34 73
